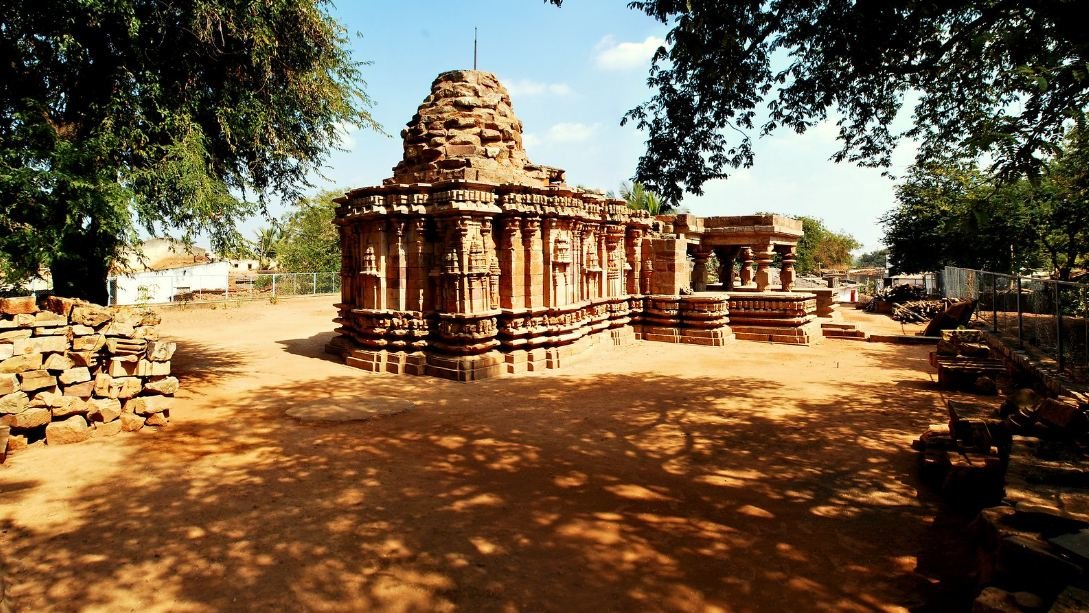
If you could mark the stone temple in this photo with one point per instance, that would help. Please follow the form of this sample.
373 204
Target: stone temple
472 262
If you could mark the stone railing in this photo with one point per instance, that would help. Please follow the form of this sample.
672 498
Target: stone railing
70 370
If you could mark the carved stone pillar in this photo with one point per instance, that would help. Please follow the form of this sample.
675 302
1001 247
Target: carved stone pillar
635 259
419 300
746 266
726 257
763 256
511 265
534 262
397 272
699 270
492 283
788 275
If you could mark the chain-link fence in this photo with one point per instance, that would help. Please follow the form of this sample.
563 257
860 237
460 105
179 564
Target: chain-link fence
1047 317
186 289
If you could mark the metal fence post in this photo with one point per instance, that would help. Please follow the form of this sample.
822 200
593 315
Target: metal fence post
1059 326
1020 318
994 302
315 287
273 285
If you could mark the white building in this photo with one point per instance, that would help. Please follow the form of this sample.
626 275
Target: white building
168 285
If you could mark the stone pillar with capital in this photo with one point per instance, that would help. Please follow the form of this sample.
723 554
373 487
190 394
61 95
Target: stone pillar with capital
746 266
788 275
534 262
699 270
511 264
763 256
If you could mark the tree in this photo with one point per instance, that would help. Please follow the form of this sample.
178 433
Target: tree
642 199
1061 212
991 76
266 245
873 259
820 248
175 116
310 241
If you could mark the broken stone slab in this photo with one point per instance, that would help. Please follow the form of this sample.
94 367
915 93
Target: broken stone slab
79 330
118 328
90 343
11 335
83 390
162 385
147 405
109 428
120 367
125 346
57 362
30 418
160 351
1062 415
157 420
146 368
47 319
63 406
83 358
90 315
23 305
59 305
146 332
131 422
33 380
41 344
8 383
125 387
6 350
104 409
71 430
14 402
75 375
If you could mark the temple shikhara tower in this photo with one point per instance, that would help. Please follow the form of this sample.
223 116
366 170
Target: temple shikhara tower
473 262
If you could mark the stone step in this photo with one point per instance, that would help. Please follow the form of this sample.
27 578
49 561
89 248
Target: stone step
837 326
844 334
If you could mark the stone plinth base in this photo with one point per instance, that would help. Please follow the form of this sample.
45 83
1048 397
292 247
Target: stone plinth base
541 358
775 317
690 336
694 320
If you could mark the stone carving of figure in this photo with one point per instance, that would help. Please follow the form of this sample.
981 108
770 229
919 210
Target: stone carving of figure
561 252
370 264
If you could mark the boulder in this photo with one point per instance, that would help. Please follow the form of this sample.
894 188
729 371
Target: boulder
147 405
157 419
109 428
23 305
33 380
72 430
162 385
63 406
21 363
160 351
104 409
131 422
14 402
30 418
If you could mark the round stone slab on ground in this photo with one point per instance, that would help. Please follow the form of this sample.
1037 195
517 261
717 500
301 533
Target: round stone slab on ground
363 410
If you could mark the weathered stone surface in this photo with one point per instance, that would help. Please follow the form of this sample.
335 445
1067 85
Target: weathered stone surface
146 405
10 335
83 358
91 343
33 380
17 442
1063 415
63 406
131 422
103 385
109 428
8 383
125 346
157 419
125 387
79 330
160 351
14 402
17 306
72 430
57 361
55 331
75 375
30 418
146 332
147 368
83 390
41 344
162 385
149 318
58 305
118 328
120 367
103 409
90 315
45 319
6 350
21 363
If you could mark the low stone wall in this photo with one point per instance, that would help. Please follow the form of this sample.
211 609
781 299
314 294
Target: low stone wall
70 370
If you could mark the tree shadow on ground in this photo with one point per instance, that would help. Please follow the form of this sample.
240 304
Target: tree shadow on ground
312 347
539 493
196 363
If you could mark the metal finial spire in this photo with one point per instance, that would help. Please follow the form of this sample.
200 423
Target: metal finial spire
474 48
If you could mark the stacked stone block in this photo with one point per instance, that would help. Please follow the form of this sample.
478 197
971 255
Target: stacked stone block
70 370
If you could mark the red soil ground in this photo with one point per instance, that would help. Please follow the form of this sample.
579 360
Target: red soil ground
752 477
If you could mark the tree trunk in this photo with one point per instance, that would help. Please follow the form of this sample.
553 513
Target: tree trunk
81 268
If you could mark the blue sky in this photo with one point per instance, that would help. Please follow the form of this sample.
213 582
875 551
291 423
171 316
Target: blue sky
572 73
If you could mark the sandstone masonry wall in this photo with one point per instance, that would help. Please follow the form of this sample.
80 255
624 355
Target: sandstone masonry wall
70 370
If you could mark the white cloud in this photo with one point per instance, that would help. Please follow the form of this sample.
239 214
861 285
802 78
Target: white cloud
614 55
346 135
529 87
529 139
572 132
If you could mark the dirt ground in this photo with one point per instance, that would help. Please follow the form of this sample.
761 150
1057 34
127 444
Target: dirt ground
752 477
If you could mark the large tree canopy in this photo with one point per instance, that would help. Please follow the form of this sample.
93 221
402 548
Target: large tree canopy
997 76
127 113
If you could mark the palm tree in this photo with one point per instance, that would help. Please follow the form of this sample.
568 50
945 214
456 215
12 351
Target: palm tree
642 199
264 247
